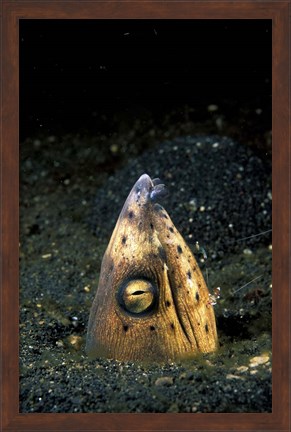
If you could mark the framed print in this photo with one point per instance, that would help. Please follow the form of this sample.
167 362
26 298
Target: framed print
145 216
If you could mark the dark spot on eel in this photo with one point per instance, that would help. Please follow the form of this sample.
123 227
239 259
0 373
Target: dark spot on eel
206 328
152 328
158 207
130 214
123 240
197 296
179 249
168 303
189 274
151 225
162 253
172 326
171 229
125 328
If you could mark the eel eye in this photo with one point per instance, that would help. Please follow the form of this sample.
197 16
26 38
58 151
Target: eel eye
138 296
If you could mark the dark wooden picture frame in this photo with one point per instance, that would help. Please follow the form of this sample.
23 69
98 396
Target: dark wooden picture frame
12 12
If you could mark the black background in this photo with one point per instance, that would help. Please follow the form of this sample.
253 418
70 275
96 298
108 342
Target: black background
76 73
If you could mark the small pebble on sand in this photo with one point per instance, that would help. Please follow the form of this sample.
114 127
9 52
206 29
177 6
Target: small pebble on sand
164 381
255 361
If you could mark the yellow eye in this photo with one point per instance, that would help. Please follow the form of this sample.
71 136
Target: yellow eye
138 296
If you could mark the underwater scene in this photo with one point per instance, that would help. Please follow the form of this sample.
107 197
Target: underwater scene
219 195
177 202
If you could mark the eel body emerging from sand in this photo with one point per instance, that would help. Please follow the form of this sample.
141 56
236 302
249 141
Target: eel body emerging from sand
152 303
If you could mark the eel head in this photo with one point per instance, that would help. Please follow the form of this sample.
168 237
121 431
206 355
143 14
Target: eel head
152 303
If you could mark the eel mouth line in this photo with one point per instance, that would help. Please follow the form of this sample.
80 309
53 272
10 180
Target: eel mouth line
175 294
177 309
